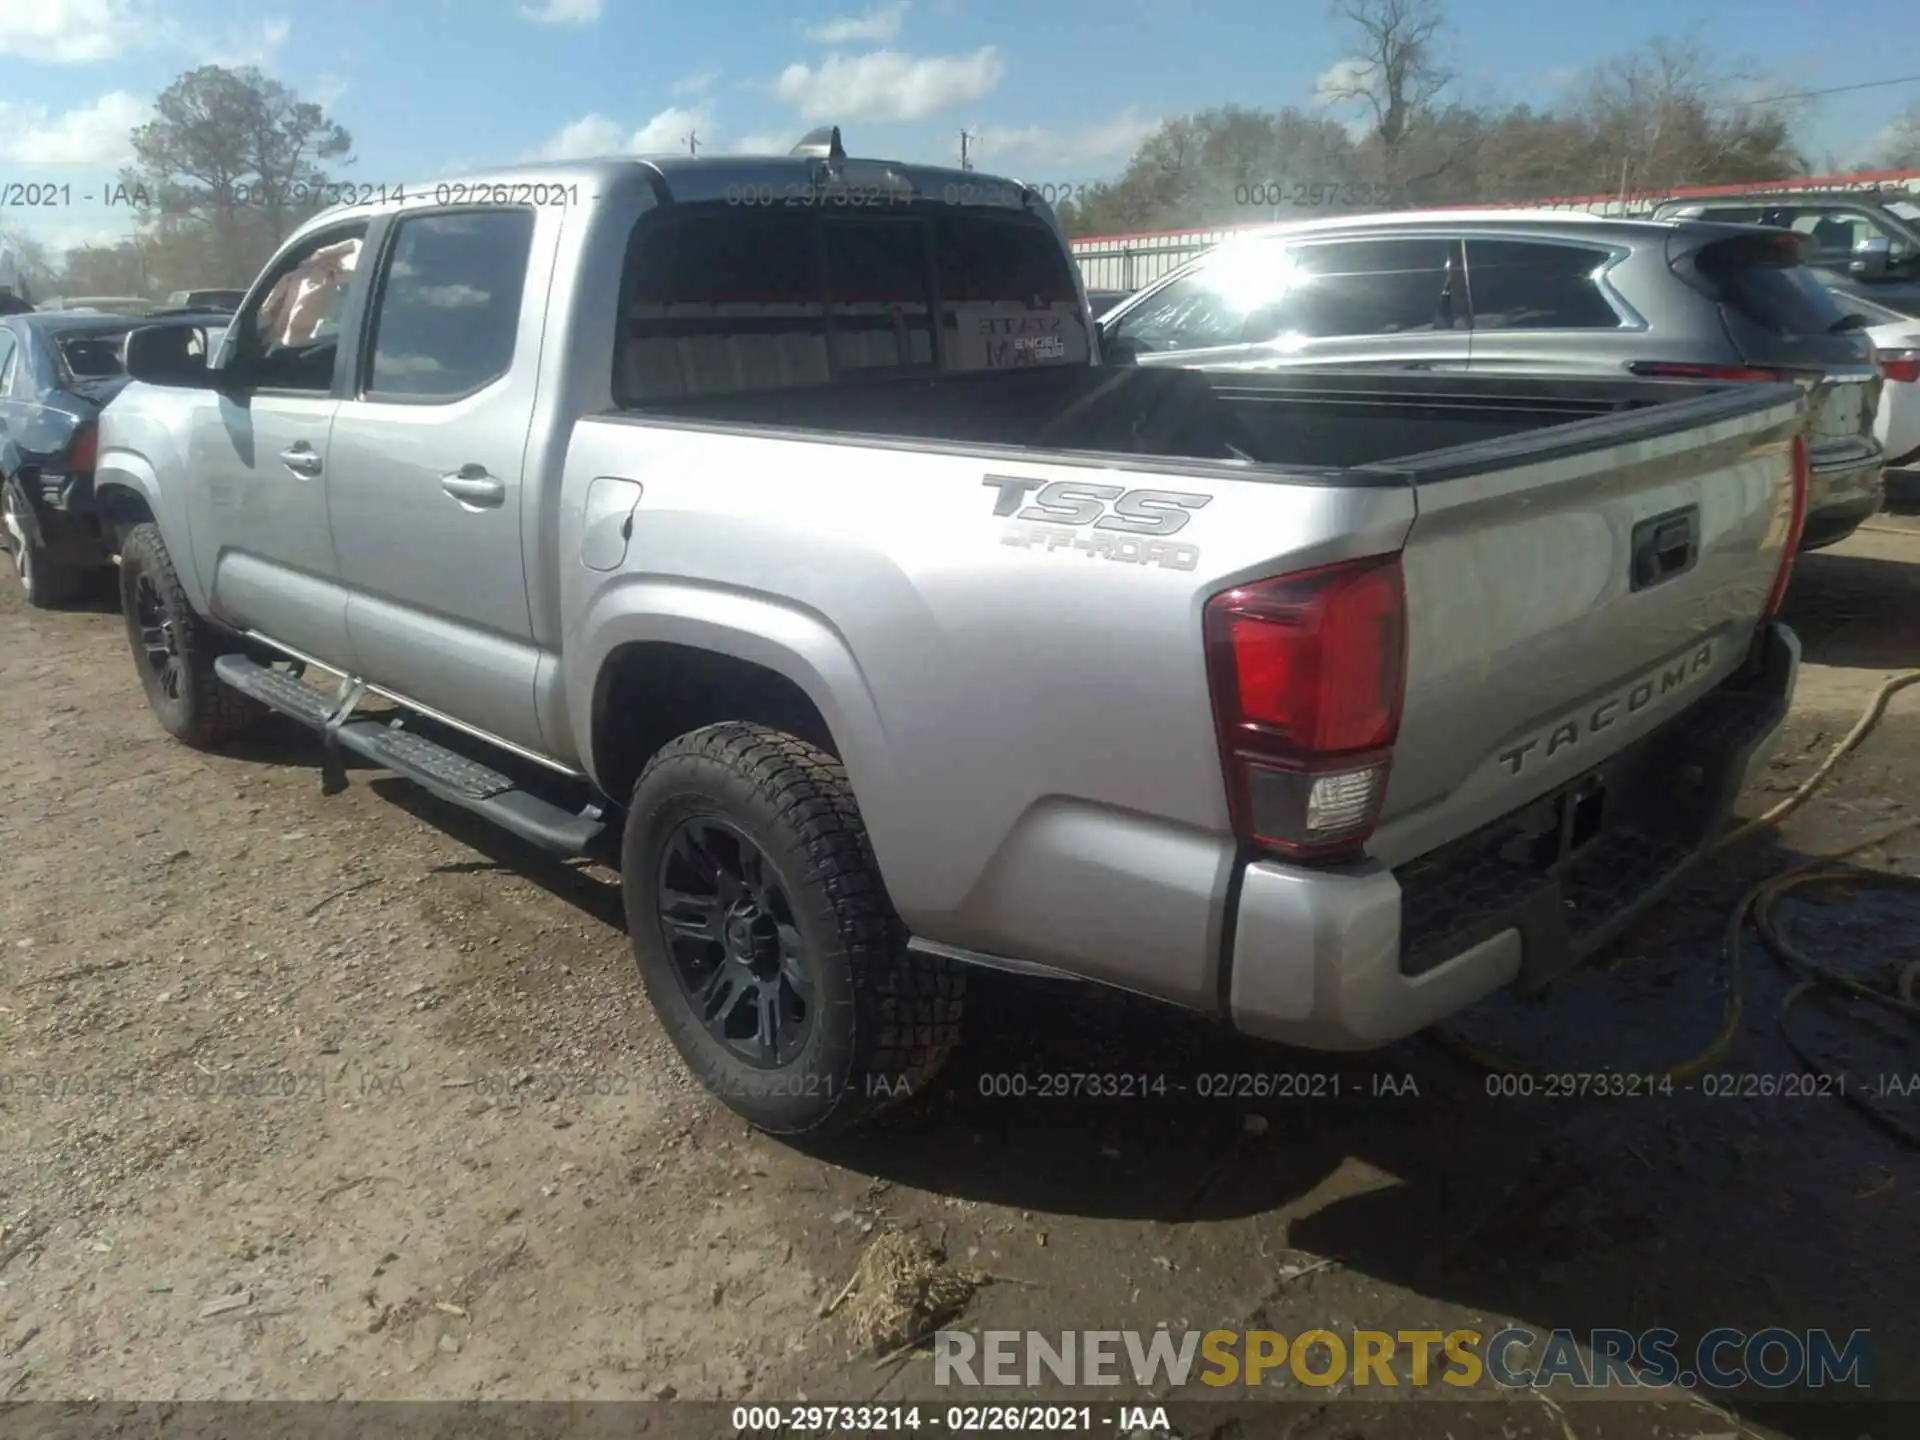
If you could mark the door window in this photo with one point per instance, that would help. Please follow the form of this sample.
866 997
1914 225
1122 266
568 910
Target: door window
292 337
1211 304
1264 291
1365 287
1537 285
1836 234
449 306
9 362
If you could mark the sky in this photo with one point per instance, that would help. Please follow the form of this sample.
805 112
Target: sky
1054 91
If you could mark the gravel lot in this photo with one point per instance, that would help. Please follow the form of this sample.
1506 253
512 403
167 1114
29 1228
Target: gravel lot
352 1097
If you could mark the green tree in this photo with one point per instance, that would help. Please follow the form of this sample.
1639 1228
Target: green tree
231 162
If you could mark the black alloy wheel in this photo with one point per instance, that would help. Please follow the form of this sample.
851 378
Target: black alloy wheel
728 924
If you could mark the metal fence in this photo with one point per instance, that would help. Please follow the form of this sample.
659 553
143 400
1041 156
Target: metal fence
1126 262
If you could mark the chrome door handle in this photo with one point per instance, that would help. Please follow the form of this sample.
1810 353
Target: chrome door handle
471 485
300 460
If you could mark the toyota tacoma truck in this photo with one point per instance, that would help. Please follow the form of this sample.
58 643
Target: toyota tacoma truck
775 519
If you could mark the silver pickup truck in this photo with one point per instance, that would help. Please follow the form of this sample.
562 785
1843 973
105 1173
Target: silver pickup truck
776 518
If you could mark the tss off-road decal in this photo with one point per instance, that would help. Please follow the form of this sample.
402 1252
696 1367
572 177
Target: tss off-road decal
1128 525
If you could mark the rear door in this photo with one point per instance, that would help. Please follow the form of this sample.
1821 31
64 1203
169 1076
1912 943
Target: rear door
1543 307
428 457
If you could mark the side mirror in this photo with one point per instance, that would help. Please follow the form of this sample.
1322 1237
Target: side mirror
174 355
1116 349
1872 258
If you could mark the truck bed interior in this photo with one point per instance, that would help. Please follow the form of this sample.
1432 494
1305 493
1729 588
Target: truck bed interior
1328 420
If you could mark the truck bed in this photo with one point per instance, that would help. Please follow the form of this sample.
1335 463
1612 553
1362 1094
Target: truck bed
1284 422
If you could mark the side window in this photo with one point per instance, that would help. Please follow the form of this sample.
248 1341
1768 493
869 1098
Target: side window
290 340
1835 233
877 294
1536 285
9 362
449 304
1370 287
1212 303
721 303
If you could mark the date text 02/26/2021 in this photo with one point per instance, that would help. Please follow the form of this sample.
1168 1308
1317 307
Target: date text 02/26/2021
805 1419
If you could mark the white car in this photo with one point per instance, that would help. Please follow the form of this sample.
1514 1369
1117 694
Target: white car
1896 343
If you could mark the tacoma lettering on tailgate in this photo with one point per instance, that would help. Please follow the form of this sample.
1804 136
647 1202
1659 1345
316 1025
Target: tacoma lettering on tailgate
1674 675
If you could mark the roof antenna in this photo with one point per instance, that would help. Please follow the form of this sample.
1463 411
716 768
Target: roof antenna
821 144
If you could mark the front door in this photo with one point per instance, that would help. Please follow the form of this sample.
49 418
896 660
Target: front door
427 466
260 449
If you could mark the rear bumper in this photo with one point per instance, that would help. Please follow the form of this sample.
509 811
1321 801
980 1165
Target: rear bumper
1359 957
63 517
1842 499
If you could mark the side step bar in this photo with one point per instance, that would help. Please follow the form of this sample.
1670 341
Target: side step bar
433 766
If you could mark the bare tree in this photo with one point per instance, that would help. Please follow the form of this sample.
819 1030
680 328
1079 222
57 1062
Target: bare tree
1395 69
1667 114
1900 146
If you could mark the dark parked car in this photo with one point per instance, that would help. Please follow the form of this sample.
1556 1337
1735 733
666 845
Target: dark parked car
1543 293
1101 301
58 370
1860 245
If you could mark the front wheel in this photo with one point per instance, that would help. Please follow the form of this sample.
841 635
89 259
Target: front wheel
174 649
765 938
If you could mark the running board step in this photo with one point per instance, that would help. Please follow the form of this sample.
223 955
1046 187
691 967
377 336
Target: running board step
434 767
277 690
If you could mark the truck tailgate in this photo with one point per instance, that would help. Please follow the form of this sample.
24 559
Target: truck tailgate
1562 604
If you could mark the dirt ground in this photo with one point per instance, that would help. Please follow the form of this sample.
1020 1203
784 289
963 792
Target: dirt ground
307 1097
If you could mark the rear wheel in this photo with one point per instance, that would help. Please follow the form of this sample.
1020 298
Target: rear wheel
765 938
44 583
174 649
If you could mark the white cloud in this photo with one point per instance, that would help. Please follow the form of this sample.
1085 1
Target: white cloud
327 91
1108 143
256 47
695 84
563 12
1339 80
94 136
878 25
593 135
888 85
763 144
71 31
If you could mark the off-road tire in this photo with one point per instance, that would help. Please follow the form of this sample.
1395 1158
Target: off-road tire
201 712
44 584
884 1019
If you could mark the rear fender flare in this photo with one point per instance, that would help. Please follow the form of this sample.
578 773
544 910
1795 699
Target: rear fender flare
799 644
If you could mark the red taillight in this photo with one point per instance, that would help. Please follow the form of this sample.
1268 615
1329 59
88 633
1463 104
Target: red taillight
1901 365
1796 524
1307 672
1663 370
84 450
